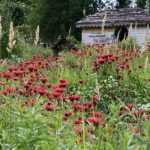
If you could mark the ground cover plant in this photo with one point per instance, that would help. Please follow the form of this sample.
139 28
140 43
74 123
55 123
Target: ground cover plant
96 98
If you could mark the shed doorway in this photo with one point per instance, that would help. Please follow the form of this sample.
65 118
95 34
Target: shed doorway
121 33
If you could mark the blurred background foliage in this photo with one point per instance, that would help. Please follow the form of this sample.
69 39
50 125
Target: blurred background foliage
56 18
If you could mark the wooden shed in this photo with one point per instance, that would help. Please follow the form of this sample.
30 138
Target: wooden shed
108 25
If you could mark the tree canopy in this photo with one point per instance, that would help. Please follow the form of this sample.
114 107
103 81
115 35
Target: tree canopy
123 3
13 11
141 3
55 17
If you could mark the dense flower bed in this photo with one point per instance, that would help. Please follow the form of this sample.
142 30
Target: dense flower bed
92 98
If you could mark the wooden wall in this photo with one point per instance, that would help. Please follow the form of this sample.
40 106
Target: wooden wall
89 34
138 33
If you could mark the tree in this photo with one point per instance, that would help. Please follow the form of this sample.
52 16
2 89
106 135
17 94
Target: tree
123 3
109 4
148 6
141 3
56 17
11 11
98 5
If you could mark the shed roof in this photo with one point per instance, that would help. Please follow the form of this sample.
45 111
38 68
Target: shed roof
115 17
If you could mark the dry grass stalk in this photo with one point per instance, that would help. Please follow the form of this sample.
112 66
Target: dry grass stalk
12 41
103 23
146 63
0 29
37 36
84 12
131 27
97 90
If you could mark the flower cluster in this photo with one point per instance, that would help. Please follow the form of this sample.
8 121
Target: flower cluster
104 59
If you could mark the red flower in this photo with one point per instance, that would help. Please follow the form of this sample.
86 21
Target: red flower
67 114
59 90
77 107
44 80
87 106
97 114
19 73
41 90
78 121
78 131
63 83
139 113
130 106
96 119
93 120
56 94
49 106
101 61
7 75
32 68
74 98
95 98
62 98
54 86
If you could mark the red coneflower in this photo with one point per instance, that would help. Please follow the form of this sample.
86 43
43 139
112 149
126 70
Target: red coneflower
74 98
49 106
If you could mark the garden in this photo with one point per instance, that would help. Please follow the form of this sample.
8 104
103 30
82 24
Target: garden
95 98
72 96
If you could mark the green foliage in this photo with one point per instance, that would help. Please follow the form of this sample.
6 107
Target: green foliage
57 17
4 43
28 129
123 3
11 11
127 92
141 3
17 49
